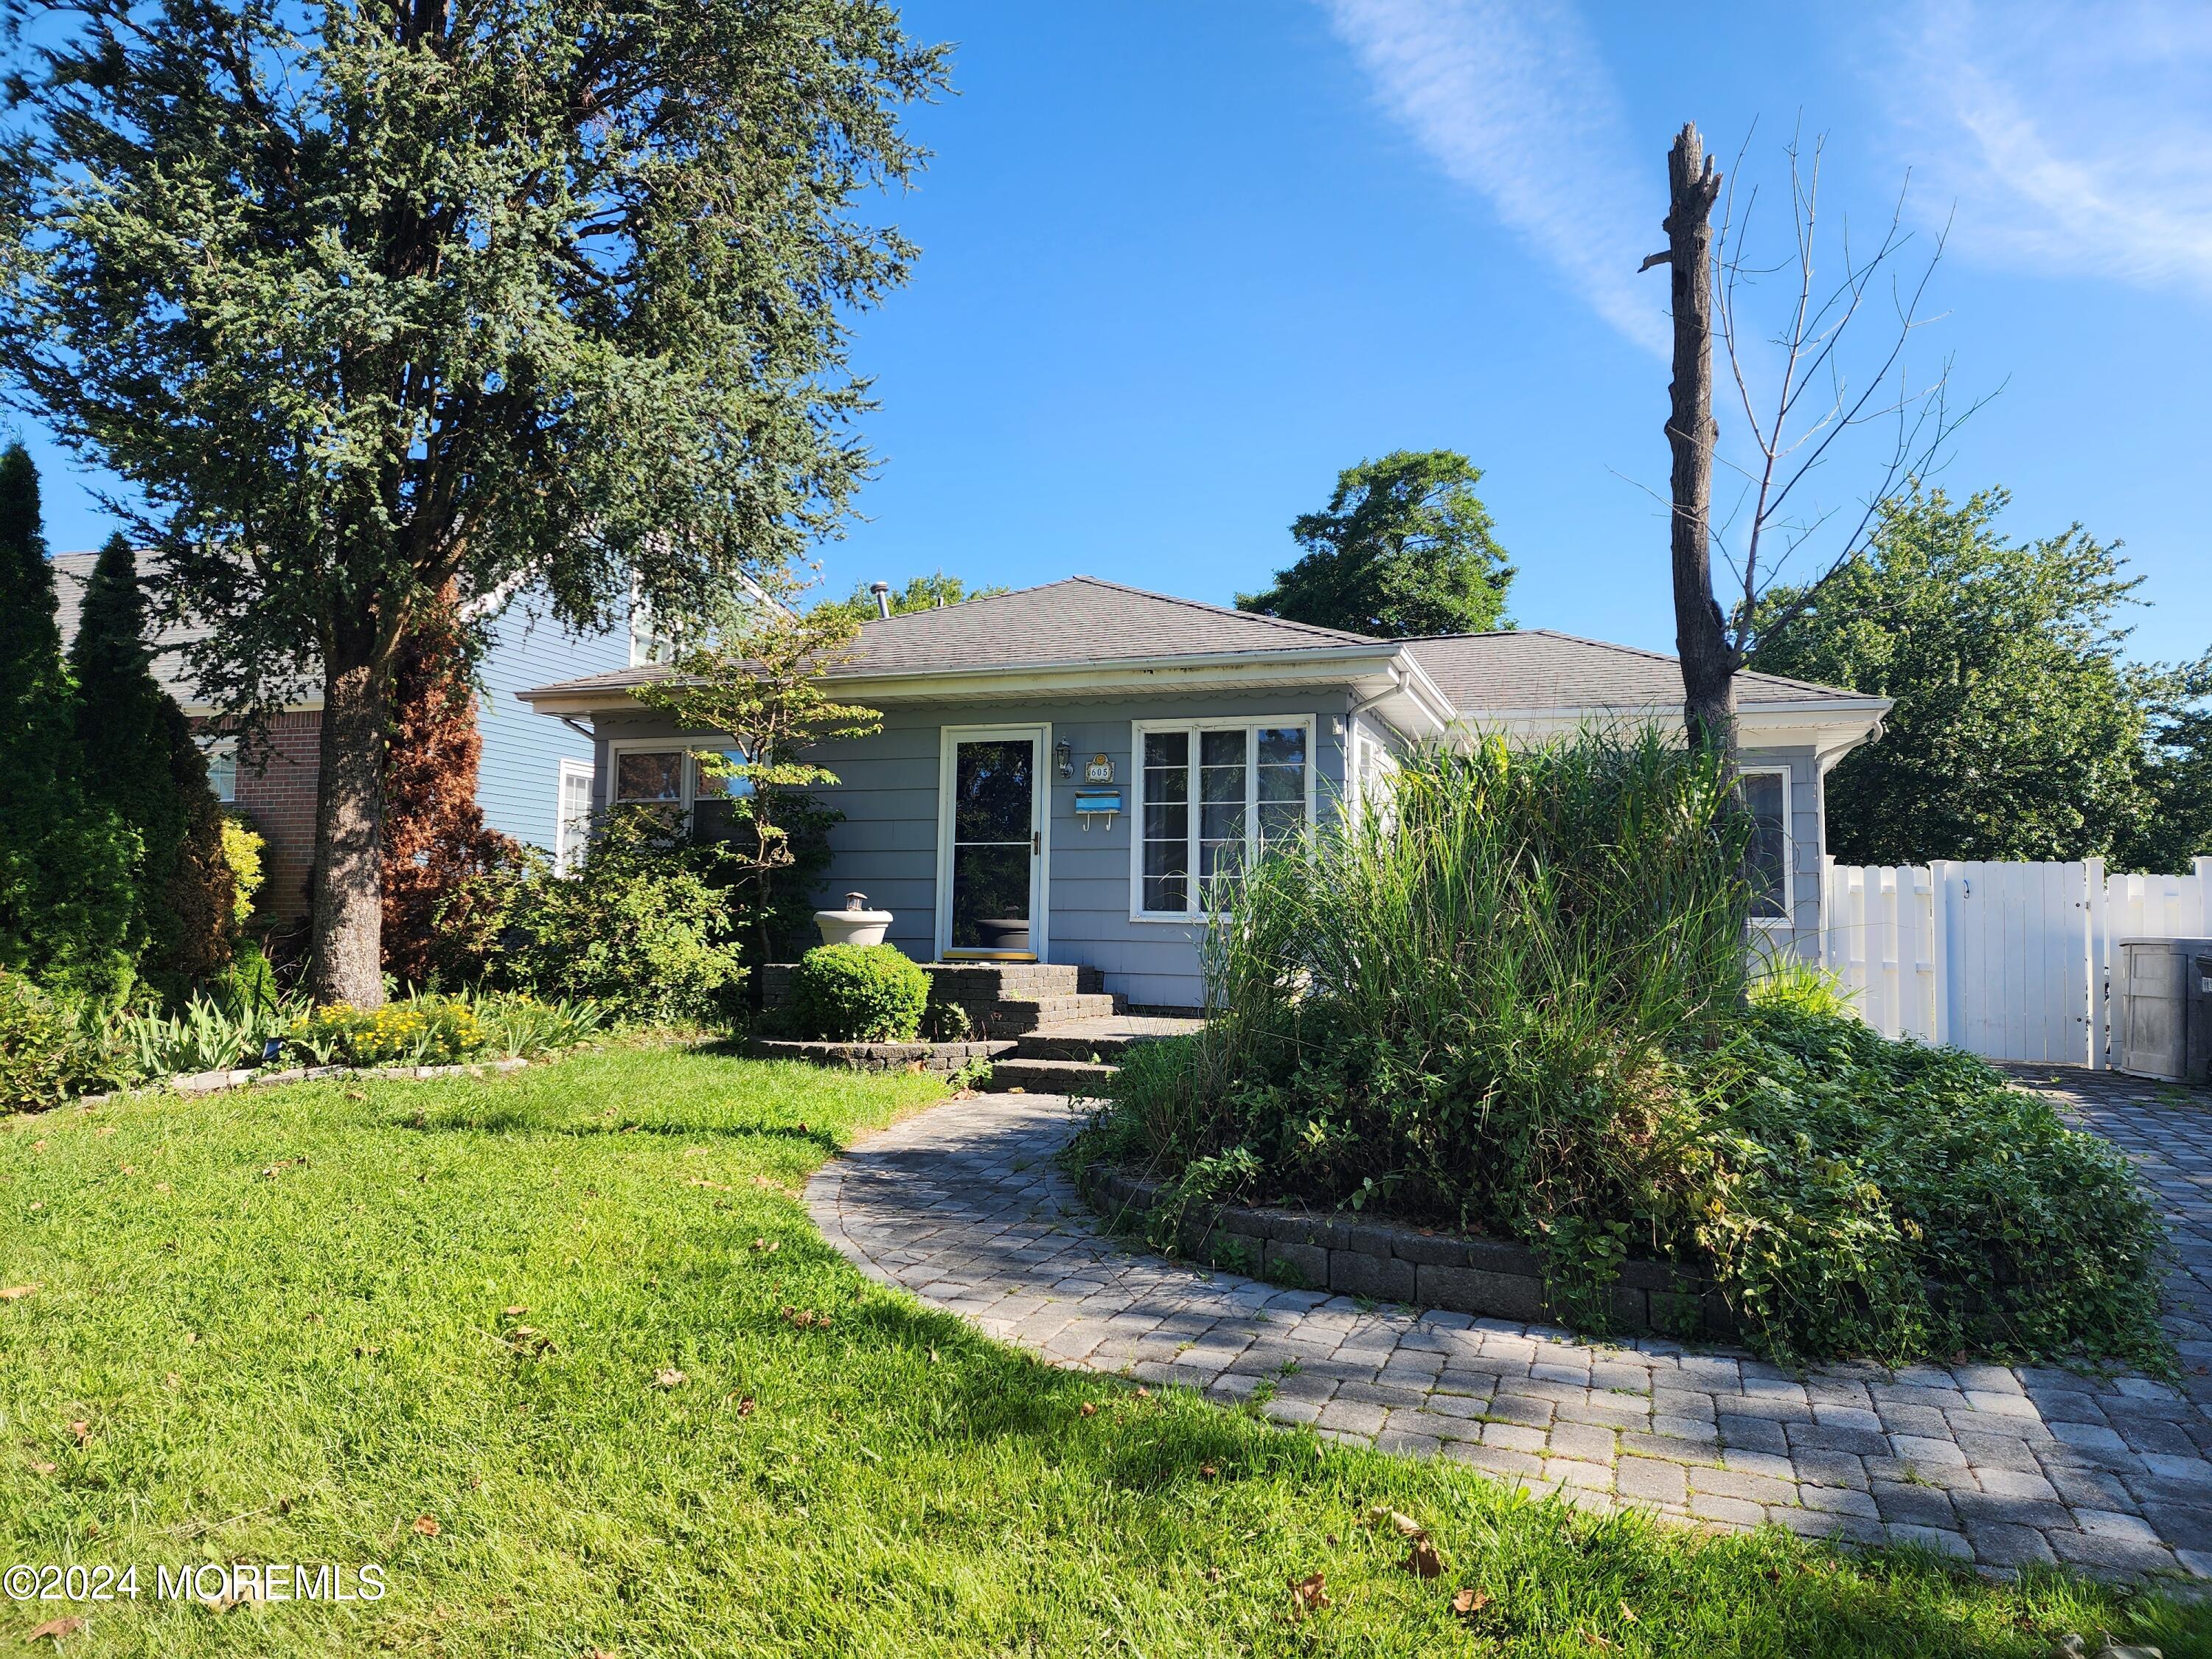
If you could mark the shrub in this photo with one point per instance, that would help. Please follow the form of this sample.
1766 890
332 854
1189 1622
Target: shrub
242 847
41 1057
417 1031
1518 1005
858 993
637 929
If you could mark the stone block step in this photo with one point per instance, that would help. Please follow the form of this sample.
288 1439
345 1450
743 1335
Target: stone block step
1048 1077
1015 1017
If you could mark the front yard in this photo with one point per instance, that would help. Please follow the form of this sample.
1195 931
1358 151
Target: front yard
562 1353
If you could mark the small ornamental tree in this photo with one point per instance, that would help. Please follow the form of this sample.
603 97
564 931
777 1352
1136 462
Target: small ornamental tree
366 300
142 763
436 839
758 684
1404 548
65 859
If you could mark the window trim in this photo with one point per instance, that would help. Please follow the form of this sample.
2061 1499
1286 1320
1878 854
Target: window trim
1247 723
949 739
1788 919
690 745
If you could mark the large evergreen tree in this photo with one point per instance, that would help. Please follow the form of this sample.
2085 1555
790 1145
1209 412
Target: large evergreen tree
364 299
142 762
65 902
1404 548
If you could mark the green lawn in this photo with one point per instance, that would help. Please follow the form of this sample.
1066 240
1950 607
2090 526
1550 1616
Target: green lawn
281 1318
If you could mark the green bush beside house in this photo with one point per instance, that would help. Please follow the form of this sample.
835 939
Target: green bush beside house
858 993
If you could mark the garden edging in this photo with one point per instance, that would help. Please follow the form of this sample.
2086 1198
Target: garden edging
939 1059
1358 1257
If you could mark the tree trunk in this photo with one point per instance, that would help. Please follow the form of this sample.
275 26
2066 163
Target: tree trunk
346 901
1708 661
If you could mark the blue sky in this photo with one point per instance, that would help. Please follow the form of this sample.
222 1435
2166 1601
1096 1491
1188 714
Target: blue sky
1181 261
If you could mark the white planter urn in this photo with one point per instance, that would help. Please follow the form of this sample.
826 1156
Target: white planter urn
855 924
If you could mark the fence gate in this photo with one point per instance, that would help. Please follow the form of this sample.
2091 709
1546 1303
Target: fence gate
2010 961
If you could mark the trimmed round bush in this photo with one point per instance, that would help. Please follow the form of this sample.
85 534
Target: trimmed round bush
858 993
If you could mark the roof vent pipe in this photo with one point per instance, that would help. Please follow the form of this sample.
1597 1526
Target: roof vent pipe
883 592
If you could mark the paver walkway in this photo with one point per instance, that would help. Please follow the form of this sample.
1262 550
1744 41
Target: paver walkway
963 1206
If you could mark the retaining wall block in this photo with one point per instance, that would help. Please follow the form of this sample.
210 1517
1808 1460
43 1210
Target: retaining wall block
1471 1290
1363 1272
1308 1262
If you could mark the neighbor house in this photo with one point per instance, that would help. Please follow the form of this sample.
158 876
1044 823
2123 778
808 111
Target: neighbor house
1061 769
534 784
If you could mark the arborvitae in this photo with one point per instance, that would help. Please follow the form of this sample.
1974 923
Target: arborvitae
65 900
142 763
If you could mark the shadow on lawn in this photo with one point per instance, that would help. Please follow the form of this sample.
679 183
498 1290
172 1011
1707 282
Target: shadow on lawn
1549 1566
504 1120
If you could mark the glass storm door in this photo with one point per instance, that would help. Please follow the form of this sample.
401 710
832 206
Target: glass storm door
996 846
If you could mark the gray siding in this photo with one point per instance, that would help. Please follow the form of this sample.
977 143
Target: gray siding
886 846
517 784
1807 841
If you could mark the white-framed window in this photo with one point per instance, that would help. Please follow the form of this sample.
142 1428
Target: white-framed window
1765 793
572 821
1212 796
222 767
666 772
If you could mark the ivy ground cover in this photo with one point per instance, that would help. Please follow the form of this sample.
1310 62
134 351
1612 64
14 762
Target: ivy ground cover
561 1352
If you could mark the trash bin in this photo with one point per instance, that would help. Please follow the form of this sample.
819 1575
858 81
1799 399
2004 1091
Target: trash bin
2162 1010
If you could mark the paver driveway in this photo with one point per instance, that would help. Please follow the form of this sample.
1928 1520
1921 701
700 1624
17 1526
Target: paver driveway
963 1206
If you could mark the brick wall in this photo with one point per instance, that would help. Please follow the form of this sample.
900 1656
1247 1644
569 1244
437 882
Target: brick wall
279 799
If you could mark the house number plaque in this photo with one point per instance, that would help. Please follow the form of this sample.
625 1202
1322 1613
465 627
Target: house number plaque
1099 770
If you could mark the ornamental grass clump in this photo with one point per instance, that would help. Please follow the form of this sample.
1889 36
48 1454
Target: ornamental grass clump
1514 999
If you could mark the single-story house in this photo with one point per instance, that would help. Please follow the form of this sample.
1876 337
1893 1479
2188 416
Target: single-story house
534 780
1057 764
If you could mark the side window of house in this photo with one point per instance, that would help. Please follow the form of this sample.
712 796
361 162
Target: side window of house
649 777
713 813
1250 794
1766 797
223 768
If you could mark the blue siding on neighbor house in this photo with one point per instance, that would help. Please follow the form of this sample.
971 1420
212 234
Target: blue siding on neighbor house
517 784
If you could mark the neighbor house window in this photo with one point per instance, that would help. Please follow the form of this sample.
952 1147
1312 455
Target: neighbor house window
1215 798
1766 797
572 822
223 768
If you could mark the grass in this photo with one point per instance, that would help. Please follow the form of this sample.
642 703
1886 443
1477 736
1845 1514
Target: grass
281 1318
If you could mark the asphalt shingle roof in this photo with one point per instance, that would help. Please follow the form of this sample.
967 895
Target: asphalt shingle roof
1535 668
72 571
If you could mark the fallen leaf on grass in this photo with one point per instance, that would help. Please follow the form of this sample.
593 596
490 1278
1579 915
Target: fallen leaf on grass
41 1204
53 1630
1469 1601
1090 1408
366 1351
427 1526
105 1129
1423 1561
1307 1595
355 1094
516 1311
669 1377
746 1407
1407 1526
1213 1575
527 1339
717 1186
17 1292
37 1467
765 1246
128 1169
82 1431
172 1381
1207 1471
1144 1393
160 1186
806 1318
1627 1613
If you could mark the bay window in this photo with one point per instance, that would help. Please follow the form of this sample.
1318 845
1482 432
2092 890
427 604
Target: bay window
1213 798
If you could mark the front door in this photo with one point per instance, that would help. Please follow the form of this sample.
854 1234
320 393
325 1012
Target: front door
991 840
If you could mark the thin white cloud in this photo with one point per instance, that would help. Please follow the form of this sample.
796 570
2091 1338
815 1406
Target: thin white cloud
1511 99
2074 138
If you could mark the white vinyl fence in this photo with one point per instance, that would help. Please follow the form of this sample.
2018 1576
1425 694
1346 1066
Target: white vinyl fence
2010 961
